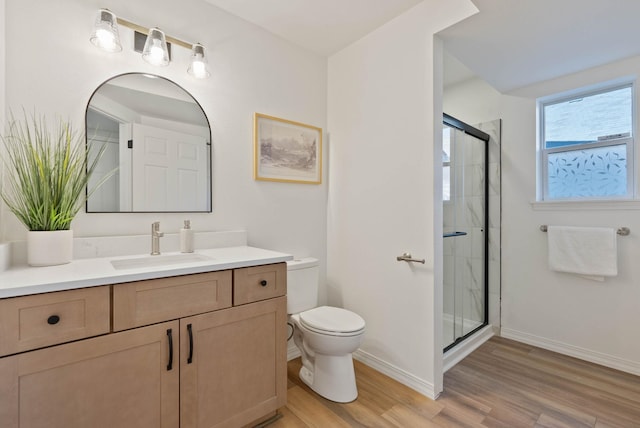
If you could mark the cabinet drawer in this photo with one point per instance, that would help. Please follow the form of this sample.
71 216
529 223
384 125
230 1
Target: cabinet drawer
259 283
157 300
39 320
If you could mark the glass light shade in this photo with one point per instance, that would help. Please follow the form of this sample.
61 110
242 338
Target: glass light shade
198 66
105 33
155 50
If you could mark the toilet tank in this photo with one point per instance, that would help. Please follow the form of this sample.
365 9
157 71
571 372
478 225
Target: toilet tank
302 284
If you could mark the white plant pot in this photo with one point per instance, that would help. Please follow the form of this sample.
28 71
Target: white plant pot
49 248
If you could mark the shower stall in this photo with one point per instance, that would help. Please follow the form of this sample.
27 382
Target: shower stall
465 227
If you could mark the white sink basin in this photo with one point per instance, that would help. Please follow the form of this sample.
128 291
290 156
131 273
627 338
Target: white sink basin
155 261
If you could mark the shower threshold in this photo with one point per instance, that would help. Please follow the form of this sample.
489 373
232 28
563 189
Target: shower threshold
466 346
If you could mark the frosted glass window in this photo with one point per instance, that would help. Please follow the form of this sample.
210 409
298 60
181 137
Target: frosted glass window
597 172
587 145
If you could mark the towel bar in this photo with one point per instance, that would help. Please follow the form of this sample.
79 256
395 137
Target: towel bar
622 231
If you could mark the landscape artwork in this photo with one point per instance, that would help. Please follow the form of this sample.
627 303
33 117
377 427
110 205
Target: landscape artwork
286 151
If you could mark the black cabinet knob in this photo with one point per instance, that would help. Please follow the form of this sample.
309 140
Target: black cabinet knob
263 282
53 319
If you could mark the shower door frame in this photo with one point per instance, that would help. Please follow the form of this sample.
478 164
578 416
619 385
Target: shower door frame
483 136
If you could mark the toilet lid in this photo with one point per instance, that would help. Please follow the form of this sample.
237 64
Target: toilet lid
330 319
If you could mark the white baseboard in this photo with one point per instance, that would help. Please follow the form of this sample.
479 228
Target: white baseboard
422 386
383 367
611 361
456 354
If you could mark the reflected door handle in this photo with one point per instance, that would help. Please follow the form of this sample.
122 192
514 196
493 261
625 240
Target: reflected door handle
406 257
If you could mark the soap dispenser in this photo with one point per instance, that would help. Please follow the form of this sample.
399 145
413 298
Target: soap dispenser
186 238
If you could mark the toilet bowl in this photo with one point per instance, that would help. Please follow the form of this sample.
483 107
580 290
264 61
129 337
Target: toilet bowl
325 335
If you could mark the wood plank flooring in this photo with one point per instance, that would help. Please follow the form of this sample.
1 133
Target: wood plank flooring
503 384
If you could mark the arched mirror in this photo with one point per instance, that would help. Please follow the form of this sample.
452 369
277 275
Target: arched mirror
158 137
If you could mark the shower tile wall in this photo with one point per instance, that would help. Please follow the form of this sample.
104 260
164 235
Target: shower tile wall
493 128
472 202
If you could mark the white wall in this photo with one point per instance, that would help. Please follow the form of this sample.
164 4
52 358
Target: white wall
472 101
2 92
384 190
590 320
53 68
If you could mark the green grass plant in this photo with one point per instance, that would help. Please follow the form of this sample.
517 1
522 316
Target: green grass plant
46 171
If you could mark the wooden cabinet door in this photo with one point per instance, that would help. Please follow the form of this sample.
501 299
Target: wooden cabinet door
238 368
117 380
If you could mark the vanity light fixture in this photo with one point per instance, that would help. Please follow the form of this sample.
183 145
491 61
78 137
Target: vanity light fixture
105 32
155 51
198 65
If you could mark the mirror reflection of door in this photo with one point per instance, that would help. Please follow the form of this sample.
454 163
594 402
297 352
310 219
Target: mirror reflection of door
158 138
170 172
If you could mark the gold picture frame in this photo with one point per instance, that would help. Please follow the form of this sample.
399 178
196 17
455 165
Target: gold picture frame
286 151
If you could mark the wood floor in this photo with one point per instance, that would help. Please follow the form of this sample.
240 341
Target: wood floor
502 384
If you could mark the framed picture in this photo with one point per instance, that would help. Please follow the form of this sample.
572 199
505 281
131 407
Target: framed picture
286 151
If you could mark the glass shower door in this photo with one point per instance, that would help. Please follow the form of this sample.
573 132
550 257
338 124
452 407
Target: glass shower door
464 239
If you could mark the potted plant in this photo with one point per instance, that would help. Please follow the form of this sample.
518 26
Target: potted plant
46 174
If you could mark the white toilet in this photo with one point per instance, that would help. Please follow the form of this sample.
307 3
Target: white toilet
326 336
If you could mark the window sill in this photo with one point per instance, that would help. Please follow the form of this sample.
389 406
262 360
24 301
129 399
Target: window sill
622 204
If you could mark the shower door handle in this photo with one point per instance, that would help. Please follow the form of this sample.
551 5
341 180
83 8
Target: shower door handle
406 257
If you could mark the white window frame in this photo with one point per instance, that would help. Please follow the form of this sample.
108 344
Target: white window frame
628 141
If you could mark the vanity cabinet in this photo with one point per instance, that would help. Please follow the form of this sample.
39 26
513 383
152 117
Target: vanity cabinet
233 365
176 352
116 380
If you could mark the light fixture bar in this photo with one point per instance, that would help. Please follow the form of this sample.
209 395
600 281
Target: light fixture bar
145 31
156 49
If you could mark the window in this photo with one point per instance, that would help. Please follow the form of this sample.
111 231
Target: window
587 145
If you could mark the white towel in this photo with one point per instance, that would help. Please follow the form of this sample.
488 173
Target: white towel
587 251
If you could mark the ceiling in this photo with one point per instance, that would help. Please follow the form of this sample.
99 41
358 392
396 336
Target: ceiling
148 95
516 43
509 43
322 26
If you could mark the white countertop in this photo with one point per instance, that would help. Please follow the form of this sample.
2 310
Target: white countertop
89 272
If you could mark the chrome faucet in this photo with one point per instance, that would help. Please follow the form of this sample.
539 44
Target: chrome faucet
155 238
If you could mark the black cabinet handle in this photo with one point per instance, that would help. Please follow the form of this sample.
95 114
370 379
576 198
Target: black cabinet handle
170 336
263 282
190 359
53 319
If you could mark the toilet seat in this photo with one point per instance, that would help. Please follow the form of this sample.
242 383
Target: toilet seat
332 321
